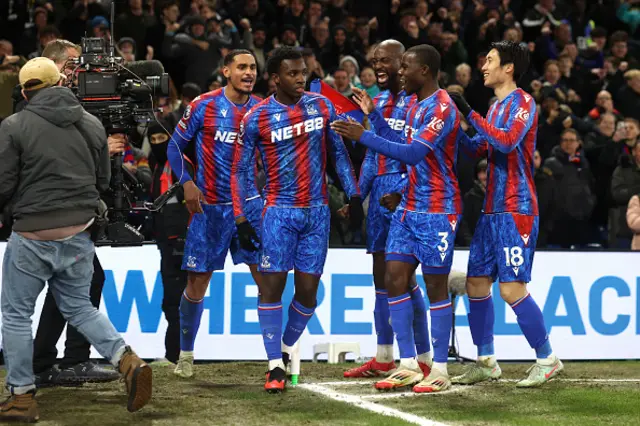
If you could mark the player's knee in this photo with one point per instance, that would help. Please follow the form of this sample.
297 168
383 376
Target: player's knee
395 282
478 286
511 292
197 285
436 286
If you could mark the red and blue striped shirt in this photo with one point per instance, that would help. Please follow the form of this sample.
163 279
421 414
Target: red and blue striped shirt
214 121
393 109
510 132
293 141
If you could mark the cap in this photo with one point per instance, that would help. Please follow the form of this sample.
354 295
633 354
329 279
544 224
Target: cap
100 21
42 72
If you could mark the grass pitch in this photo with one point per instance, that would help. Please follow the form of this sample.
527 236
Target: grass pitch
231 394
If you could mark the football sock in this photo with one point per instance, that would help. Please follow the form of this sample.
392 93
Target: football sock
420 326
190 315
381 318
532 325
441 367
425 358
270 317
384 353
481 318
299 316
401 310
441 321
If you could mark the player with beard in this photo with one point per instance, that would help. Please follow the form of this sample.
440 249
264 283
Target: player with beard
381 176
291 131
424 226
212 122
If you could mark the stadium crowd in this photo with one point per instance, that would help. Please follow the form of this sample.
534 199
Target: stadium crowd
585 78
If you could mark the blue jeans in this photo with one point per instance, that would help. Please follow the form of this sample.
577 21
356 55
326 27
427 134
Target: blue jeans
67 266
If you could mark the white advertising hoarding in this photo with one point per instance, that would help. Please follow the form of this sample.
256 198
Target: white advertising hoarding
590 301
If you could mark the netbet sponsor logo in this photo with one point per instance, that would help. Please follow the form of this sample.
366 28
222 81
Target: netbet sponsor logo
395 123
225 136
288 132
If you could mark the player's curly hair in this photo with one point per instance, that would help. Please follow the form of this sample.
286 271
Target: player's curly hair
511 52
281 54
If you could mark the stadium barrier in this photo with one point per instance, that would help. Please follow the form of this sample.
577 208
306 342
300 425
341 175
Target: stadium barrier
590 301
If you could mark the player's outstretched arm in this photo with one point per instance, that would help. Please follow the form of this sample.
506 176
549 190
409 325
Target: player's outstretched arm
410 154
521 117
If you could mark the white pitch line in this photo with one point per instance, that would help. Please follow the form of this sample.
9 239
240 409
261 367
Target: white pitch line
371 382
357 401
347 383
392 395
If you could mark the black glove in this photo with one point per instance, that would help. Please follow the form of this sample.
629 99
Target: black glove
461 103
247 236
356 212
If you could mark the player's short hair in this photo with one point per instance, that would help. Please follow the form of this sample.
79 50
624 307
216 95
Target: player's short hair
229 57
281 54
427 55
56 50
514 53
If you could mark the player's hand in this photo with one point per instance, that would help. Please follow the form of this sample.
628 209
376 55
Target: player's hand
343 211
391 201
356 212
116 143
247 236
348 129
364 101
461 103
193 197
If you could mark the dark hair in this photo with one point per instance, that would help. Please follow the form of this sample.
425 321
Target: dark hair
513 53
281 54
427 55
598 32
228 59
307 53
619 36
572 131
191 91
50 30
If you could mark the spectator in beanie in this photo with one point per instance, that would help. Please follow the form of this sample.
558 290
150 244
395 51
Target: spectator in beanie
350 65
575 199
624 184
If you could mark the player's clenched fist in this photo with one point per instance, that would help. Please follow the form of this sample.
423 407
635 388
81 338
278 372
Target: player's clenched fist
193 198
390 201
247 236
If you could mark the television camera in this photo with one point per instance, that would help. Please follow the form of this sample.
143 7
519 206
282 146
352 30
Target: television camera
121 96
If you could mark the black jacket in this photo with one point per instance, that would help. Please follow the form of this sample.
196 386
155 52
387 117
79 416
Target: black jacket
574 197
625 183
54 159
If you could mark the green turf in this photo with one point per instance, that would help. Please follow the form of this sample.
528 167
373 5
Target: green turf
231 394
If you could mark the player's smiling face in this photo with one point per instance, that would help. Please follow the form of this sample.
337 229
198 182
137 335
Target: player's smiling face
385 64
412 73
241 73
493 72
292 78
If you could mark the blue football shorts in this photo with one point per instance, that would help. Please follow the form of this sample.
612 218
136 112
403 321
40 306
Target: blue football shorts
425 238
503 247
379 217
295 238
213 233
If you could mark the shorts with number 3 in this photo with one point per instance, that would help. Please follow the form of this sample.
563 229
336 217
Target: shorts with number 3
427 237
503 246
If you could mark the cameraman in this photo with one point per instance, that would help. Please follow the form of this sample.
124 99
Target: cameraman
53 162
75 367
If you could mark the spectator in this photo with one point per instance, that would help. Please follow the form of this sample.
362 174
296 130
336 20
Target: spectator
289 36
624 184
313 66
341 82
260 46
340 46
633 221
368 81
189 92
127 48
320 40
620 50
574 199
543 12
452 51
134 24
628 98
472 205
545 189
31 35
604 103
46 35
350 65
629 16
